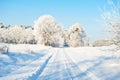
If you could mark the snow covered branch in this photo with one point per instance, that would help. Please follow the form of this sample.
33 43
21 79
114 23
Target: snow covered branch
112 20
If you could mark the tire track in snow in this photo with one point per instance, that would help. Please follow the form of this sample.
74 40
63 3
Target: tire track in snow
28 70
83 75
55 66
61 67
51 71
74 71
35 76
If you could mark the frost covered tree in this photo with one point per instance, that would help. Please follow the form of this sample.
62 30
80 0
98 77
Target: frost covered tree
21 35
14 34
1 25
17 34
76 36
48 32
112 20
1 34
2 30
4 34
28 36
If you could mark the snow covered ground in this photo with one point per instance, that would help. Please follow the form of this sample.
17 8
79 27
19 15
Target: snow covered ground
34 62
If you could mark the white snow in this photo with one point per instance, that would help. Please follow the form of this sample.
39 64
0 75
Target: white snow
35 62
27 48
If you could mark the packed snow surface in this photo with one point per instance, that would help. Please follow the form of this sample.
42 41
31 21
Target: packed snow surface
34 62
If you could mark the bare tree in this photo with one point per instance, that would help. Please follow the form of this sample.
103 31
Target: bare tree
112 20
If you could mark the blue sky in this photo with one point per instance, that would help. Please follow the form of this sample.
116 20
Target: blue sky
66 12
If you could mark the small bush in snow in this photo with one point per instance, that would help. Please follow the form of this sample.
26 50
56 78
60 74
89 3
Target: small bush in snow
3 49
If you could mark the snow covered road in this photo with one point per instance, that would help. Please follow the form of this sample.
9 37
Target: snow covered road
61 67
59 64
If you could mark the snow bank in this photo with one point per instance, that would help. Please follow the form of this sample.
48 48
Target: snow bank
27 48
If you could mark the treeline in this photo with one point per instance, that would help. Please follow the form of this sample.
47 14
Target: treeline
17 34
46 31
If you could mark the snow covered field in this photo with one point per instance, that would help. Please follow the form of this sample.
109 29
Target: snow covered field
34 62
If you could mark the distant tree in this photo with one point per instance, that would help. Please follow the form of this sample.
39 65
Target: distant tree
28 36
17 34
48 32
99 43
1 25
76 36
14 34
1 30
112 20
